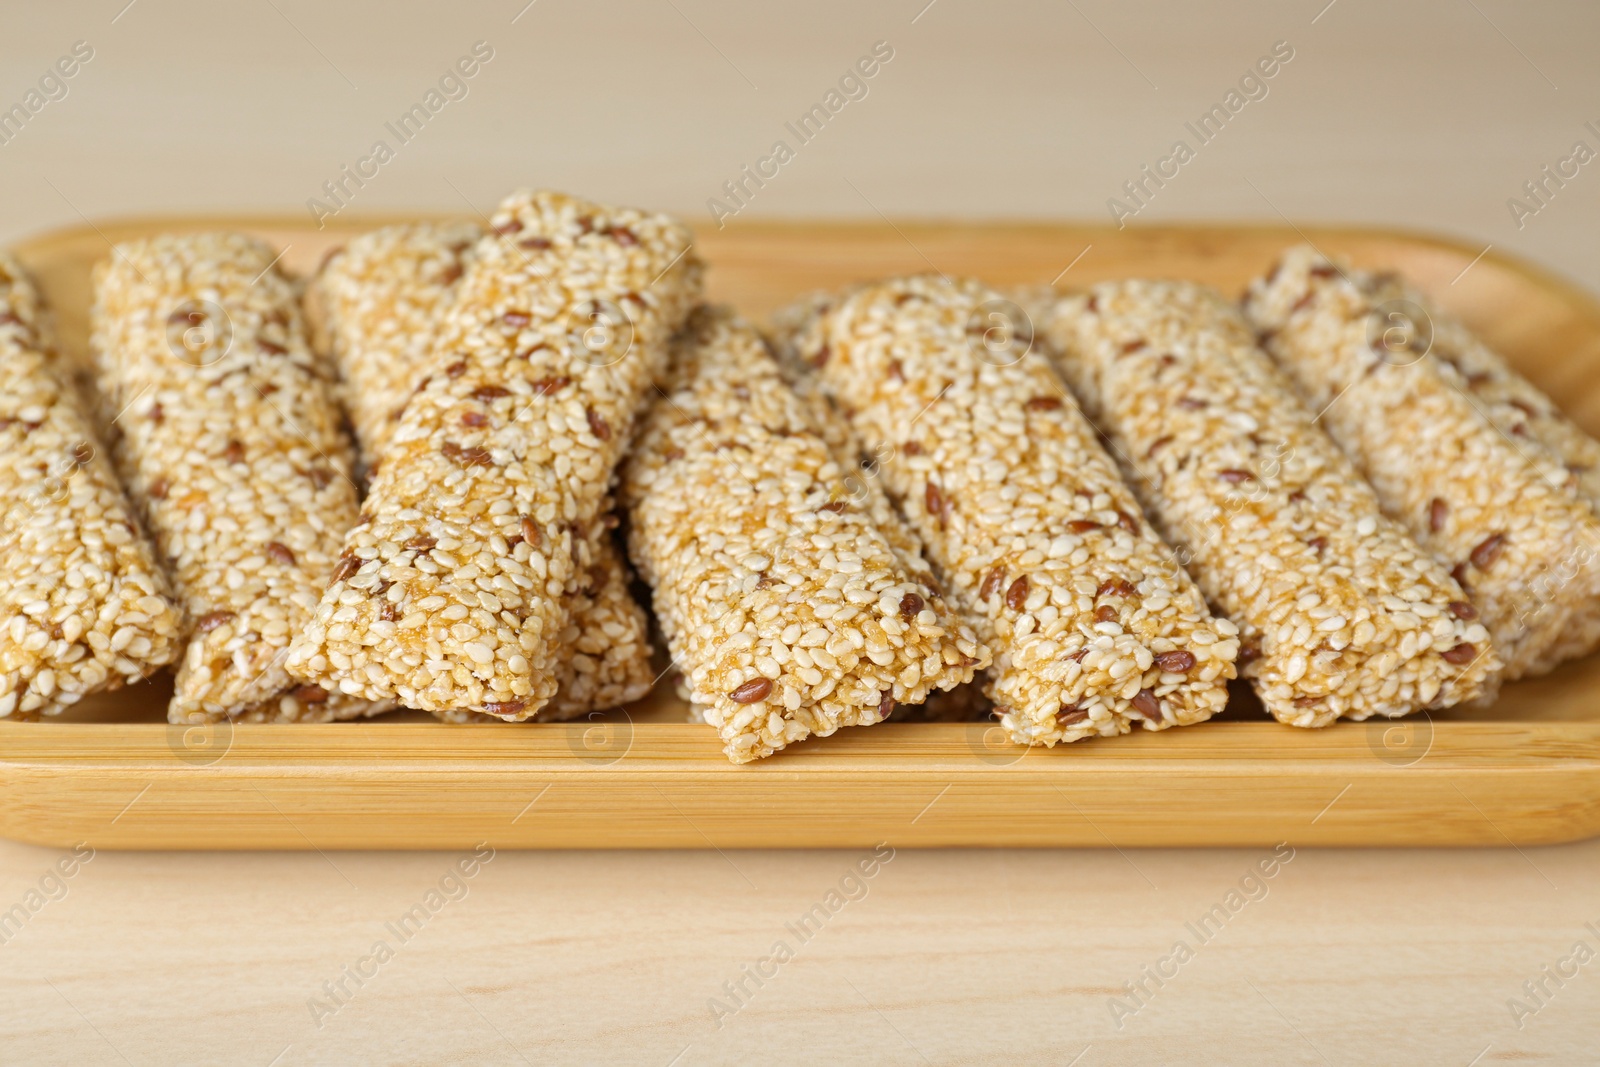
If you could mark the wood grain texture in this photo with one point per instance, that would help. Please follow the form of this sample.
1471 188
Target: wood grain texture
1526 770
979 960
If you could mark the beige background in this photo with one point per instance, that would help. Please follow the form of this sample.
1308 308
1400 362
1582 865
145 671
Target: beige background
1425 115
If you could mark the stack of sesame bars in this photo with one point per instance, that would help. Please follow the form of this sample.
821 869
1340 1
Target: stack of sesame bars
417 481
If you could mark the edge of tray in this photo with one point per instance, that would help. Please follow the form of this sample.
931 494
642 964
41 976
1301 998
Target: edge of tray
128 225
615 784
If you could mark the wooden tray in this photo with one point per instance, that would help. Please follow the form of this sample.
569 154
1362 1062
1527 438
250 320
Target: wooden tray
1524 771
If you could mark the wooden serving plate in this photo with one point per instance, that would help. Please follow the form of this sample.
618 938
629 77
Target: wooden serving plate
1526 770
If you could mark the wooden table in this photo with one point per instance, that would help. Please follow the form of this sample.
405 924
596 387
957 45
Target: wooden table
976 958
1429 116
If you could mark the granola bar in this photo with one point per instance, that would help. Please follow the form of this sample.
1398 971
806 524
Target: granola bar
1340 613
84 607
1093 623
1500 508
229 440
791 611
456 589
375 308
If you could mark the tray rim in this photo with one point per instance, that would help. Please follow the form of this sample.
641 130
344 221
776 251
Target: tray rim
1547 277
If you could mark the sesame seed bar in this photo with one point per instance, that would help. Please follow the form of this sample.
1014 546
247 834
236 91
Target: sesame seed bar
790 609
865 480
606 648
374 308
229 440
1093 623
966 701
84 606
456 591
1340 613
1514 404
1500 509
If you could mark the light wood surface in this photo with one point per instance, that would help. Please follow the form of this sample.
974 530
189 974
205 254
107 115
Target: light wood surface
1526 770
1426 115
996 959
